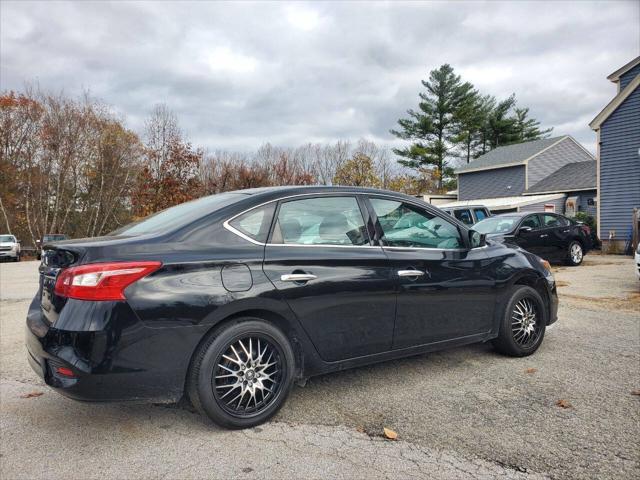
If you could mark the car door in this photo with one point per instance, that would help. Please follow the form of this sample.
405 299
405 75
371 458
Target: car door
558 233
444 289
529 235
340 287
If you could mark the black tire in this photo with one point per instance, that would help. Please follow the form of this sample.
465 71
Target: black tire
575 253
513 340
204 390
17 258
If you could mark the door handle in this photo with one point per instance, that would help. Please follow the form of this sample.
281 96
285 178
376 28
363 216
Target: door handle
545 235
566 231
410 273
297 277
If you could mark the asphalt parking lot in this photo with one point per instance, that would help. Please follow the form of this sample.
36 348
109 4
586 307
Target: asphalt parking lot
462 413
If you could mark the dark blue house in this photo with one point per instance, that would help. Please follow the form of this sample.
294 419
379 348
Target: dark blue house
552 174
617 128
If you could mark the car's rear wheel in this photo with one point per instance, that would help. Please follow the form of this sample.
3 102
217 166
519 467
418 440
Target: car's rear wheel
575 253
523 324
242 374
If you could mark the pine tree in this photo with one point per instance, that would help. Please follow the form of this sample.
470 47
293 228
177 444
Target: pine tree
431 128
527 129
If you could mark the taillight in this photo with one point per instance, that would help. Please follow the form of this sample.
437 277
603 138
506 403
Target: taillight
101 281
586 229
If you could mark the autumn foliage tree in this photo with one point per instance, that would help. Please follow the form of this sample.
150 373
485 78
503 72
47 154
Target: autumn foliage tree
67 165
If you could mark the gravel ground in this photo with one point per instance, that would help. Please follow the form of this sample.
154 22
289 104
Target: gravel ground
462 413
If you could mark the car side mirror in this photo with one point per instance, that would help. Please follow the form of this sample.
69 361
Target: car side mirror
525 229
477 239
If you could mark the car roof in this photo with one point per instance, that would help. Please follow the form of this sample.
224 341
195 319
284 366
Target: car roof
462 207
275 192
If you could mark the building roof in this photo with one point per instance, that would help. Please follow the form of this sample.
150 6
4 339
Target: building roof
568 178
511 155
615 76
504 203
614 104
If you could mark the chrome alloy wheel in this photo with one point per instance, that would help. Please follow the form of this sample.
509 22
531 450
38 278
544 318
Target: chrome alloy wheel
576 253
525 322
247 376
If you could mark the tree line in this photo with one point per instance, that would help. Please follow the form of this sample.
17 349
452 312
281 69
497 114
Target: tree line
70 165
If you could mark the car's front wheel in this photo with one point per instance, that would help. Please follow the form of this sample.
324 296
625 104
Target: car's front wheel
242 373
523 324
575 253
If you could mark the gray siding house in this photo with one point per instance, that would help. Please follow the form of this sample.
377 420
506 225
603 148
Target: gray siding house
520 177
617 128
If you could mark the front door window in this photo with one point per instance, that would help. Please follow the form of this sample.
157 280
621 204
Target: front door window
404 225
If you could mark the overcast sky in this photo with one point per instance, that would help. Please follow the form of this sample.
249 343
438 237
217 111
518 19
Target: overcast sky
241 74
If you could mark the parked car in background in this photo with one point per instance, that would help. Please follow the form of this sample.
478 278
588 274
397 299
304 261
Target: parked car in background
553 237
637 260
9 248
469 215
231 298
48 238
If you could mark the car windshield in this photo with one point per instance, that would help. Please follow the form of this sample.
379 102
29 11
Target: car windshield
179 215
497 224
7 238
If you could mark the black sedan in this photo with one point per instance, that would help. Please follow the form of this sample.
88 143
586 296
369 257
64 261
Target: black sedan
551 236
231 298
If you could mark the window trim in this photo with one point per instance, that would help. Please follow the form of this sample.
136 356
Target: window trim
355 195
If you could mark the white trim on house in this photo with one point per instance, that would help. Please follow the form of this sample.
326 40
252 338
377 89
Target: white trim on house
615 76
504 203
561 191
614 104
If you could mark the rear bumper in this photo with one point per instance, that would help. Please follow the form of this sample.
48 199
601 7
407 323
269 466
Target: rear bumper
113 364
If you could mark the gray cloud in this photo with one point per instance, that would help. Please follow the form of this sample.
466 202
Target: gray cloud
240 74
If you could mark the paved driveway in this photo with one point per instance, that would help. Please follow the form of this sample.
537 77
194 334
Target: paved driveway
463 413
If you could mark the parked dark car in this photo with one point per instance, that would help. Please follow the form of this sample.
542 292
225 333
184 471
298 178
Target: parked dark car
48 238
469 215
553 237
231 298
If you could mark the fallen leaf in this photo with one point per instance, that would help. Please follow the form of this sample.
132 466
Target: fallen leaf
360 429
31 394
531 370
390 434
564 404
635 392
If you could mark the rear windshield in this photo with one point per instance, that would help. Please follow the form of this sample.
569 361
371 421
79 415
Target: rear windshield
54 238
497 224
180 215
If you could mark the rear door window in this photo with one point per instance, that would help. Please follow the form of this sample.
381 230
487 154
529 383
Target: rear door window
549 220
320 221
